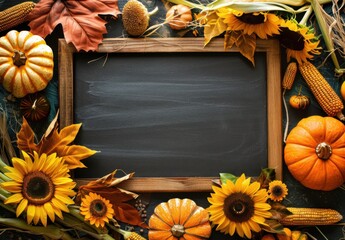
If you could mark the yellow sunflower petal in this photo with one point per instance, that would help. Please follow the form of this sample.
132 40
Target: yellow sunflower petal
58 204
30 213
15 198
246 230
21 207
20 165
50 211
11 186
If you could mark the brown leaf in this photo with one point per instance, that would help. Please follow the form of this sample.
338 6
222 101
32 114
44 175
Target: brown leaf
26 138
247 45
80 20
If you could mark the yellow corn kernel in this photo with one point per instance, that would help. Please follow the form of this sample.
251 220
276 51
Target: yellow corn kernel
311 217
134 236
15 15
328 99
289 75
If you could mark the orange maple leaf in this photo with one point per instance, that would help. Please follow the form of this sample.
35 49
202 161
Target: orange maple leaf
55 142
80 20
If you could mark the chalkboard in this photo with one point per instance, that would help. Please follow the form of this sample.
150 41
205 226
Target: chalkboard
172 110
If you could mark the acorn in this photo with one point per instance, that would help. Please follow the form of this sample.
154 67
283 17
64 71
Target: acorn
35 107
136 17
299 101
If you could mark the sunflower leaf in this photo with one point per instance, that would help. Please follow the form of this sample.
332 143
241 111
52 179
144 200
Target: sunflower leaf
227 176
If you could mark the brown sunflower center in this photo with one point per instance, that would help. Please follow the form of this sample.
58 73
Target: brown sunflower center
98 208
251 18
19 58
291 39
177 230
238 207
38 188
277 191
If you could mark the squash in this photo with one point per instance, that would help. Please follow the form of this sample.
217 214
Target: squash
315 152
179 16
179 219
299 101
26 63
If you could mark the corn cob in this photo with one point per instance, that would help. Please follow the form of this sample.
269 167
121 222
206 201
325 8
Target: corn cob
328 99
15 15
289 75
311 217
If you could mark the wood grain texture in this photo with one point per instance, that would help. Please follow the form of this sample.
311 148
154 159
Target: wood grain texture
166 45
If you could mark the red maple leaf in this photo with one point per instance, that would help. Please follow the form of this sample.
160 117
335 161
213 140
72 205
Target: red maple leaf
80 20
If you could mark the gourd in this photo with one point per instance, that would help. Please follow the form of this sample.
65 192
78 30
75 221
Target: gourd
26 63
314 152
179 16
299 101
35 107
179 219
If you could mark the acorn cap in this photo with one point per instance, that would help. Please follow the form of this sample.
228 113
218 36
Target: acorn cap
135 18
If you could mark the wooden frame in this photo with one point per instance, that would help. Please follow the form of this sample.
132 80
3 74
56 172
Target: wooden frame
180 184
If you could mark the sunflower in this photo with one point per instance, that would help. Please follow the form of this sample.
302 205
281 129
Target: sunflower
41 187
96 209
277 190
299 41
263 24
239 206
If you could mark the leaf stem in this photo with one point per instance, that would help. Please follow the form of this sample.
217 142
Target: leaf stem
50 231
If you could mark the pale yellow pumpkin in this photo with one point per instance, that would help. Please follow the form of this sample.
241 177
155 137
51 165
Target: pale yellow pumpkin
26 63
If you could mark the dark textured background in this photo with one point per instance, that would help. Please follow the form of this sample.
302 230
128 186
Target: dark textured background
298 195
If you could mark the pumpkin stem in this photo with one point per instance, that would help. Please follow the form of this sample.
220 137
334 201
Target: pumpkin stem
323 150
19 58
177 230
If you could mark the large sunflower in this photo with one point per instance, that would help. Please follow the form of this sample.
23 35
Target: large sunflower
41 187
239 206
263 24
299 40
96 209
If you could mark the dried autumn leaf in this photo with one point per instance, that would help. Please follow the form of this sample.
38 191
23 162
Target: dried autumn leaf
55 141
26 138
80 20
245 43
214 26
105 186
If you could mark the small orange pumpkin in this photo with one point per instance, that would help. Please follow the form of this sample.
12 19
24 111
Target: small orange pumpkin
315 152
179 16
26 63
299 101
179 219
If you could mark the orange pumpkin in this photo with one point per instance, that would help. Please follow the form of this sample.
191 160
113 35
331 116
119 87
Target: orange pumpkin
179 16
315 152
26 63
179 219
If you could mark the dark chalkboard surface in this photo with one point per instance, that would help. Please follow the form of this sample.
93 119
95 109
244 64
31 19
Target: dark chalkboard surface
176 113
